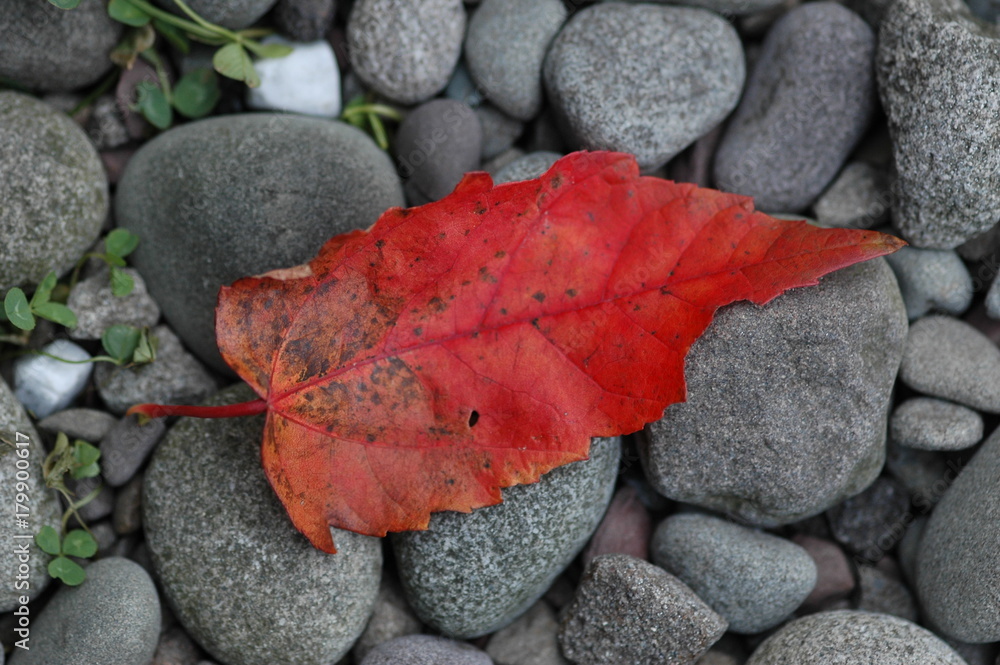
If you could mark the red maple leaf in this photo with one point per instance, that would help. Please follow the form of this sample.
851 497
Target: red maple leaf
480 341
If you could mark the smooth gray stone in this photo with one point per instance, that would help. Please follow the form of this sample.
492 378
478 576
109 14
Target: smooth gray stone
993 300
958 561
947 167
244 583
527 167
807 103
787 405
219 199
646 79
500 131
927 423
730 7
472 574
97 308
754 580
43 507
390 619
531 640
629 611
53 188
126 447
405 50
88 424
881 592
853 638
175 377
437 144
505 48
425 650
859 198
232 14
869 523
932 279
113 618
304 20
950 359
47 48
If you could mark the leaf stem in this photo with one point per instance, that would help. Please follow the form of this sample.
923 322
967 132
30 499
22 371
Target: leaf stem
250 408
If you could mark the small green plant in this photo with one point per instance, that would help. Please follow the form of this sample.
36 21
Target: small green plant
231 60
367 115
21 312
80 460
48 300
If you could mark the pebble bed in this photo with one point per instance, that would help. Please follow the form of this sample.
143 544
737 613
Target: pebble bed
829 492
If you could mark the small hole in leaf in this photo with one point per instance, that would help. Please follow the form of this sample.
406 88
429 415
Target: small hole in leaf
473 418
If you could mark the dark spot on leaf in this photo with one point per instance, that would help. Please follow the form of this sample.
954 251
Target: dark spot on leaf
376 399
534 322
571 293
437 304
503 311
473 418
370 438
500 254
480 209
418 331
556 181
539 296
486 465
450 481
380 243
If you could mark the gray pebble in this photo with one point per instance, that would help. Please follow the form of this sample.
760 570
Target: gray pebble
505 48
113 618
909 544
425 650
471 574
506 157
629 611
43 507
645 79
304 20
933 424
950 359
931 279
106 127
853 638
127 515
53 187
88 424
787 404
919 471
752 579
105 536
727 651
127 446
175 377
390 619
859 198
879 591
834 579
405 49
436 145
948 168
993 300
807 103
48 48
531 640
870 523
733 7
101 505
176 648
232 14
958 561
97 308
500 131
243 582
527 167
258 192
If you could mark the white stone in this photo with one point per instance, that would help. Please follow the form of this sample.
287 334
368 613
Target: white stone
45 385
306 81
